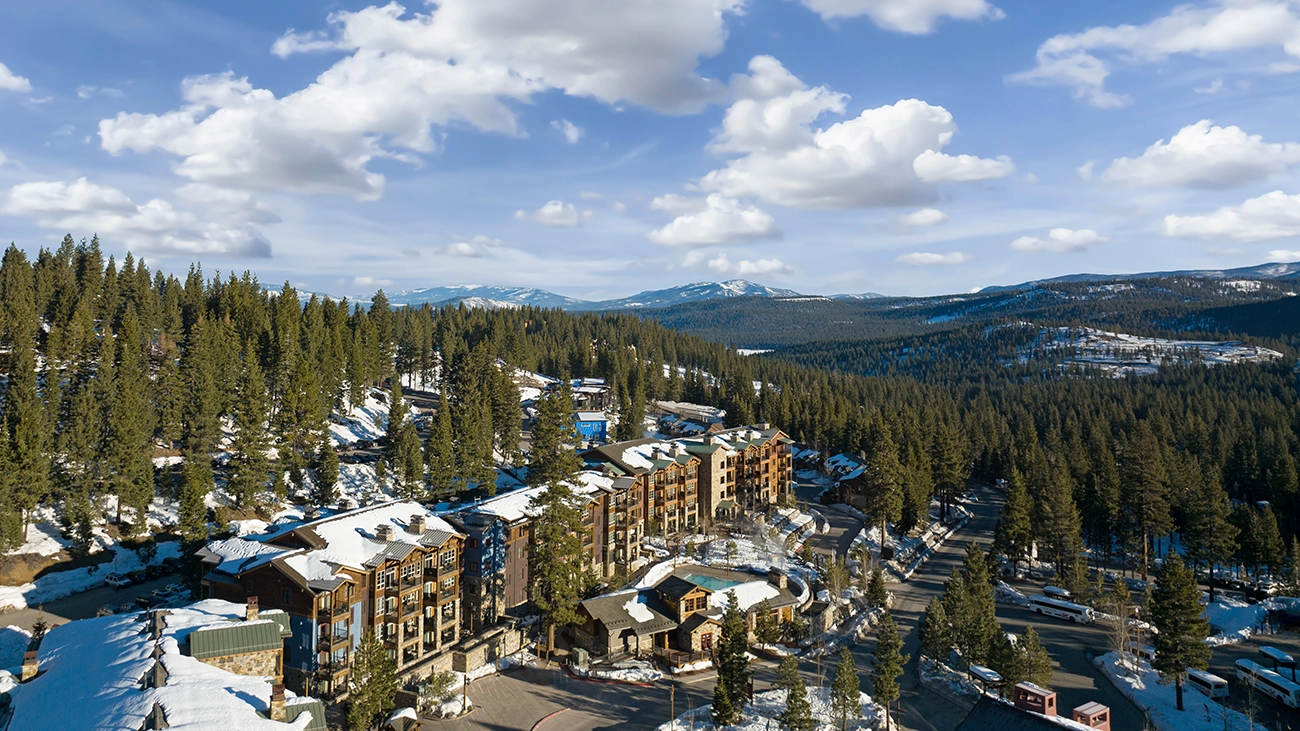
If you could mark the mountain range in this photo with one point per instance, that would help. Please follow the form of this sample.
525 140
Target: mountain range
493 297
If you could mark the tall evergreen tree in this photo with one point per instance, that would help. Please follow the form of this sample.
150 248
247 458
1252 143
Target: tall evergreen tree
1038 664
948 464
846 691
249 466
327 474
1210 537
439 453
1059 524
935 630
558 571
733 664
372 682
882 489
1013 537
1145 490
887 664
131 423
1175 611
797 714
196 483
554 438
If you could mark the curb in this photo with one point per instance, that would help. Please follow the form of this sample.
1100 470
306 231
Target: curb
548 717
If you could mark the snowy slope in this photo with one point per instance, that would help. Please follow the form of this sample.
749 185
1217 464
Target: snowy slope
694 292
458 292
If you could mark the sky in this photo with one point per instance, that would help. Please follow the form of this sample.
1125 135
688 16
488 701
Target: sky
596 148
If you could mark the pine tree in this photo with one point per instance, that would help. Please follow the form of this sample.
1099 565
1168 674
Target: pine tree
1271 549
1291 572
249 466
373 683
1059 525
1014 535
970 607
554 438
846 691
767 630
1037 663
1211 537
877 595
131 424
1175 611
724 711
887 664
558 571
1145 490
948 465
976 566
327 474
733 664
797 714
1008 660
439 453
196 483
883 493
935 631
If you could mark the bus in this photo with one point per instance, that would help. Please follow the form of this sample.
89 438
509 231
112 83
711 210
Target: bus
1146 652
1212 686
1061 609
1269 683
1057 592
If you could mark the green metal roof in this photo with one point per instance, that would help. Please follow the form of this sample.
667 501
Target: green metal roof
314 707
235 639
280 617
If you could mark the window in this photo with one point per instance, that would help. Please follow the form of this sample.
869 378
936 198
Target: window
408 572
286 597
471 543
324 601
379 605
448 558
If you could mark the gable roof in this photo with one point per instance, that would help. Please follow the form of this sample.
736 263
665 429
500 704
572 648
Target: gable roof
677 587
612 610
236 639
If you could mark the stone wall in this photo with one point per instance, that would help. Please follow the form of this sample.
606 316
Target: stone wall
264 663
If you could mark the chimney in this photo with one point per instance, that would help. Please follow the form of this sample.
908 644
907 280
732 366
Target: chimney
417 525
778 579
157 719
157 676
158 623
1030 697
1093 715
30 665
277 702
250 609
384 532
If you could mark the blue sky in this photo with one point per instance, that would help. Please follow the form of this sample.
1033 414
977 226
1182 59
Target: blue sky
599 148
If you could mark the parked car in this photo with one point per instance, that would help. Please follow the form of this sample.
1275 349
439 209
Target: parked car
124 608
171 564
138 577
155 571
117 581
145 602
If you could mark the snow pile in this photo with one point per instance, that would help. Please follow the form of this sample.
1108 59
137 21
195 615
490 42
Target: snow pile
935 673
13 643
1235 620
747 594
1008 594
855 630
59 584
628 671
692 667
761 714
1144 689
636 607
519 659
457 705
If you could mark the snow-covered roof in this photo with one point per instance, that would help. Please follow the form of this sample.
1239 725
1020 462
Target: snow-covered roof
238 554
91 671
747 594
590 416
514 506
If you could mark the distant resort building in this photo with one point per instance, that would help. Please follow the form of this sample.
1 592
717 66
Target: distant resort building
592 426
212 666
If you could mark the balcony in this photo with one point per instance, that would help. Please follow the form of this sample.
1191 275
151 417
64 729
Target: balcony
446 594
331 669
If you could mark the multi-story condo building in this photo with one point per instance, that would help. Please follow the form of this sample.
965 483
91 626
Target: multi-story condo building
394 567
665 474
499 533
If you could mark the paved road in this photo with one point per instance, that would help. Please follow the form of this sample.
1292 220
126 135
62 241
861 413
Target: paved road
83 605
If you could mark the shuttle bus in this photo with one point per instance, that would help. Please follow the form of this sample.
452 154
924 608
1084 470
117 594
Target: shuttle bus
1269 683
1061 609
1212 686
1146 652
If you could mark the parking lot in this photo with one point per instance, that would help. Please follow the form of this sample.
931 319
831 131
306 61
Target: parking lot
1268 712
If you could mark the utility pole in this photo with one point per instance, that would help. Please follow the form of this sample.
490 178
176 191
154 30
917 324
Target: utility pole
672 703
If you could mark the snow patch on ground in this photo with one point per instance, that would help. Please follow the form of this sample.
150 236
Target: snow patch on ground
1008 594
1144 689
934 672
761 714
692 667
44 538
628 671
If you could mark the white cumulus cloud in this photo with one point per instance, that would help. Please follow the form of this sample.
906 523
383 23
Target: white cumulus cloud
1206 156
905 16
461 62
923 218
922 259
1271 216
1282 255
554 213
9 81
1060 241
1083 61
572 132
723 265
715 219
225 228
889 155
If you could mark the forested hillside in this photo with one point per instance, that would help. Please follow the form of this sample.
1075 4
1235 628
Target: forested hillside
1154 306
107 366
